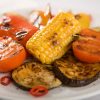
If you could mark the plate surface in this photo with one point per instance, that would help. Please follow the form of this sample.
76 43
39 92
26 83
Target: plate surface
60 93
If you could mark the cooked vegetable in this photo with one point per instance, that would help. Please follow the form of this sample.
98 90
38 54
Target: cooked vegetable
84 19
12 54
74 73
90 33
27 36
5 80
87 47
39 17
17 27
52 42
33 74
39 91
96 29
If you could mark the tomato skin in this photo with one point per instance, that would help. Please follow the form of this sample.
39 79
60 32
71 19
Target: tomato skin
28 36
38 91
9 64
5 80
12 54
15 24
85 56
87 47
90 33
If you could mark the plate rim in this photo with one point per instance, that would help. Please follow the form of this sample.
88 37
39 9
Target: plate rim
83 96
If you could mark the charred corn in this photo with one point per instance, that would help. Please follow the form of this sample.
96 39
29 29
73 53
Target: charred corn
52 42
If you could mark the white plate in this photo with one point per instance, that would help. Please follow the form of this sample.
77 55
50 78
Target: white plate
61 93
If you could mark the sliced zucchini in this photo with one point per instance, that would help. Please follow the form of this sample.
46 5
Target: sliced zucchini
74 73
32 74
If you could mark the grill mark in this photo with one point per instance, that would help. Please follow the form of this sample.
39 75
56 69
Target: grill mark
5 37
54 42
20 35
65 21
5 26
8 48
77 16
19 69
0 57
33 65
93 36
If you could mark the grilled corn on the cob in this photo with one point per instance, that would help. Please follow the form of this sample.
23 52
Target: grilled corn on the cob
52 42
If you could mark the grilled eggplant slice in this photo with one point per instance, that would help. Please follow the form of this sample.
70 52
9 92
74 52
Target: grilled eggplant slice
74 73
33 73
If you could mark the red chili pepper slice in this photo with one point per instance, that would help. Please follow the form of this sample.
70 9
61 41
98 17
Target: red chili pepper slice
39 91
5 80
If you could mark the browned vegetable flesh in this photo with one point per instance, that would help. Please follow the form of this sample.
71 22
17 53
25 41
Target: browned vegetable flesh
74 73
32 74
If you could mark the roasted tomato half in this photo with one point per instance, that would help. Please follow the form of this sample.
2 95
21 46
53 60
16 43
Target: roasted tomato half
87 47
12 54
17 27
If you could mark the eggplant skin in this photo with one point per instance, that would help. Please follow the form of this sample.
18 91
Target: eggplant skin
71 82
71 72
20 86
